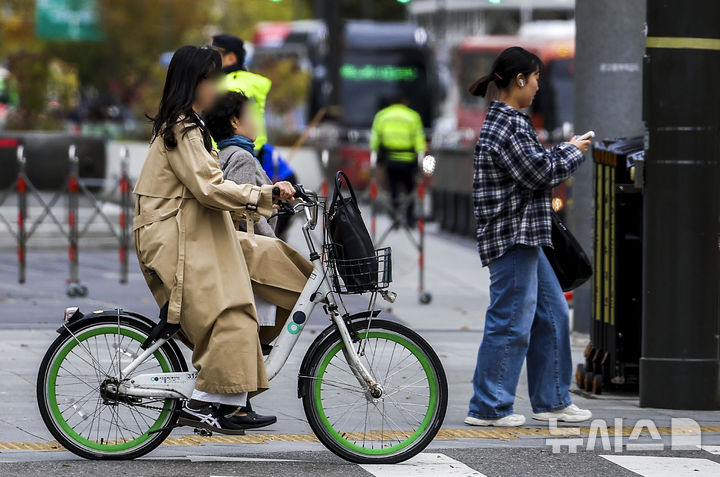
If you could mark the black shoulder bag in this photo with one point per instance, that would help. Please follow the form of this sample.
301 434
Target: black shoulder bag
352 248
567 258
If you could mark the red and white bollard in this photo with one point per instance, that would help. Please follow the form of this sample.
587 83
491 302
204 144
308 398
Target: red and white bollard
373 194
324 187
426 169
74 287
22 213
124 214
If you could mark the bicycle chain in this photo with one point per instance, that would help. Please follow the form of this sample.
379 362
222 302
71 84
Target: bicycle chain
145 406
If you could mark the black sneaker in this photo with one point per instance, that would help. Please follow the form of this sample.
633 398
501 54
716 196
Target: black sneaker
208 417
251 420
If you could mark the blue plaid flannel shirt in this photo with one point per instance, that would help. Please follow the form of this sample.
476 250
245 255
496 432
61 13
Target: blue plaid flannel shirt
513 180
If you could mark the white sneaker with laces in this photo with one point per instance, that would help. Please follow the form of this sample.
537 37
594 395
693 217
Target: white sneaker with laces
572 413
513 420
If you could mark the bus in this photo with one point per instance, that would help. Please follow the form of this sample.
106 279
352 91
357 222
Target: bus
378 62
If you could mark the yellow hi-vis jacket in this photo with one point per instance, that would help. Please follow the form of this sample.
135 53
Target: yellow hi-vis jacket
398 131
256 87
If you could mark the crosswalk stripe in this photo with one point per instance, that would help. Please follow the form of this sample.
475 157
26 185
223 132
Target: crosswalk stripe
666 466
711 449
424 464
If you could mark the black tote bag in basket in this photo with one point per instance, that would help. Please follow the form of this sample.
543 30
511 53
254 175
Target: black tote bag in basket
567 258
351 247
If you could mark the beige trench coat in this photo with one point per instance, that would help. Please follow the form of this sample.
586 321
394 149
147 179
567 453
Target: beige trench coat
278 273
190 255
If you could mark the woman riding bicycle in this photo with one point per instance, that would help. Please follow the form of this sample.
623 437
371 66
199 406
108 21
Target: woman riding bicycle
188 249
277 271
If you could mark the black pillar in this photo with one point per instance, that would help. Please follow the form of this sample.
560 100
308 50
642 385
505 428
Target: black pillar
680 361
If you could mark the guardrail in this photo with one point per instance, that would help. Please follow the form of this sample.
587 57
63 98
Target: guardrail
74 188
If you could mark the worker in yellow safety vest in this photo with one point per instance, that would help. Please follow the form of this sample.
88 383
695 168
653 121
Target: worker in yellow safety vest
398 138
254 86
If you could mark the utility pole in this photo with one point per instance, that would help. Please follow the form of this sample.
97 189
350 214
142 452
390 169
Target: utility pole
609 48
680 360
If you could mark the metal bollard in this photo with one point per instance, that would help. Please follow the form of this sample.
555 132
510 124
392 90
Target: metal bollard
22 213
124 214
74 288
426 169
373 193
325 160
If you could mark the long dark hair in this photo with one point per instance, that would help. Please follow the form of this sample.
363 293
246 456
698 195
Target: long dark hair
510 63
189 66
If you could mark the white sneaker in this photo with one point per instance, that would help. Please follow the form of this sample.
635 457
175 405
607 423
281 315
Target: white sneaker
513 420
572 413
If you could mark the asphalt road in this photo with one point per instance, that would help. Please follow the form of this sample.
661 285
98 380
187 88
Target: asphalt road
438 462
452 324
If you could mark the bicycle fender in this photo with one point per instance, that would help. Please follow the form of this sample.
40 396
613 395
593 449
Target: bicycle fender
79 320
325 334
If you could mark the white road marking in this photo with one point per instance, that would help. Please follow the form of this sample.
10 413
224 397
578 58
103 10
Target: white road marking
423 464
220 458
711 449
651 466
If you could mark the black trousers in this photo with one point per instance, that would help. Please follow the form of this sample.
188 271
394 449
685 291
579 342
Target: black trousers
401 181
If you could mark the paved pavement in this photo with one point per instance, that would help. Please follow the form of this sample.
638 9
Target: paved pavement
452 323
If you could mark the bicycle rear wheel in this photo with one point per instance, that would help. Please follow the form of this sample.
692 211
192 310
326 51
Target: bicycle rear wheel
392 428
70 395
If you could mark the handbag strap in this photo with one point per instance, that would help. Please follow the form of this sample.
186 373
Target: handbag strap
338 185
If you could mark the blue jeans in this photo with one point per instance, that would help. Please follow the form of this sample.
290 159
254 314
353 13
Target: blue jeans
527 317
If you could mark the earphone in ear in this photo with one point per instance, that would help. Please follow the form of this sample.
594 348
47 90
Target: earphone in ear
522 82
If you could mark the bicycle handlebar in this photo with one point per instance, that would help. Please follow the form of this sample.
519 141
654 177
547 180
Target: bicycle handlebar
300 193
286 208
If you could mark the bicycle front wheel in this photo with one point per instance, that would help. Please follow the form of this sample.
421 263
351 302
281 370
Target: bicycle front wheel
360 428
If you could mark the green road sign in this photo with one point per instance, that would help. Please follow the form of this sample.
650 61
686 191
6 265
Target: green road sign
67 20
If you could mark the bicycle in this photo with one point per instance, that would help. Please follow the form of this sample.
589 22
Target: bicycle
373 391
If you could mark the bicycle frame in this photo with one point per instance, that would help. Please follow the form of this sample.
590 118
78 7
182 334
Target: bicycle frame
317 290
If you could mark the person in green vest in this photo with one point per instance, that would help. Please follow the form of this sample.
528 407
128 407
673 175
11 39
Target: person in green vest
256 88
398 138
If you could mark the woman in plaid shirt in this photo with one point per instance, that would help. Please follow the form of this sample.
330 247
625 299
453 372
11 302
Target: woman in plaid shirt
528 315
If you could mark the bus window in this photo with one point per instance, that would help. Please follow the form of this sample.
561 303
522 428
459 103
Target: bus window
554 101
473 66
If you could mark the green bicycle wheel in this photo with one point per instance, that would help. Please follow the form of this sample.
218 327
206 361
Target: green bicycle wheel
353 424
74 370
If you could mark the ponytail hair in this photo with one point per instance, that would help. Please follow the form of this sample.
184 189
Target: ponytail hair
510 63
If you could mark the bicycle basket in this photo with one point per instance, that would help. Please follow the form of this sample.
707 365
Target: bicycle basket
358 275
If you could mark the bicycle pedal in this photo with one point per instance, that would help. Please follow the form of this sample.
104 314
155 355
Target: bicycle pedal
203 432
